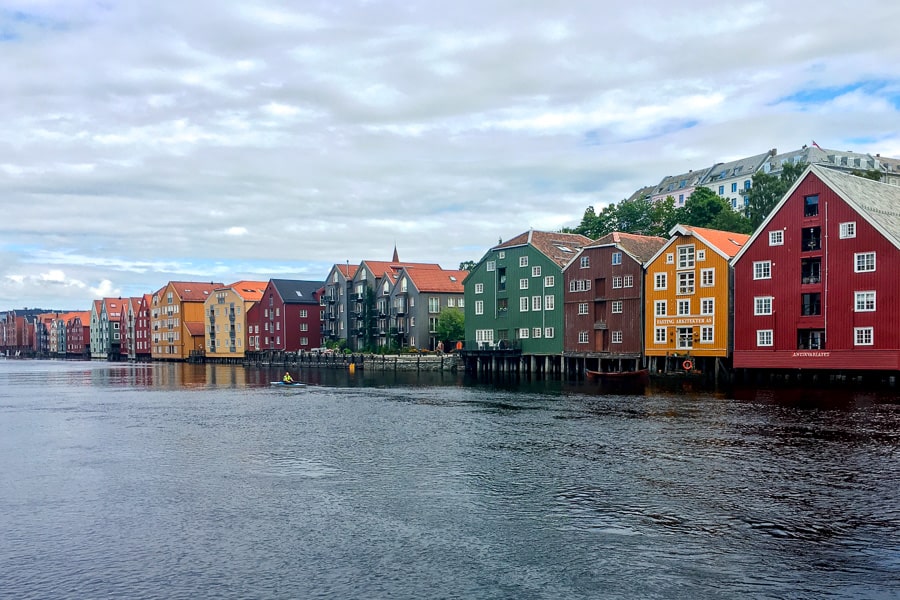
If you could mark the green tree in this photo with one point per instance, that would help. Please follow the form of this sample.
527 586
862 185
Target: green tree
451 325
873 174
467 265
702 207
595 225
767 190
663 217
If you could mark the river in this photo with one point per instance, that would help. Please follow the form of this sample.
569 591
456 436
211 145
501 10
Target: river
184 481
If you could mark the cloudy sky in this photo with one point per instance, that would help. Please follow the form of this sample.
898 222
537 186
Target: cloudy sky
150 140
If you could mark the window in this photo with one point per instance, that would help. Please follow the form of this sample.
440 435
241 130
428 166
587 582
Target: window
683 307
536 271
686 282
501 255
451 302
659 335
502 305
686 257
864 262
535 303
617 307
549 332
660 308
707 306
523 284
524 333
734 187
670 258
479 288
659 281
811 206
523 261
617 258
536 332
628 281
762 305
491 265
616 282
523 304
686 337
701 255
479 307
776 238
579 285
865 301
460 303
762 269
582 308
549 302
706 334
434 304
585 262
848 230
721 190
583 337
549 281
763 337
863 336
484 335
707 277
616 337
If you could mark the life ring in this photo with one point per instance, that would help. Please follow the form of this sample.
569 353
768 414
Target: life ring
687 365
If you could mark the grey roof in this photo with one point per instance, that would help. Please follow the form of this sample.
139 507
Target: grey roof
743 168
672 183
878 202
296 291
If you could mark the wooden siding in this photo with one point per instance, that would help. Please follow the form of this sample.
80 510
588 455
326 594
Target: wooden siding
837 284
719 292
601 322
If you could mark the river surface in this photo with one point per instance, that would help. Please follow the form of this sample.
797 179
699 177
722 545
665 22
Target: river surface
183 481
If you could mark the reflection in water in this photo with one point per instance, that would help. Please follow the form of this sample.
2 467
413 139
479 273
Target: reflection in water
181 481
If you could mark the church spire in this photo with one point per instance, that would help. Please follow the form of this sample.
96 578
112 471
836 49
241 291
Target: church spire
396 258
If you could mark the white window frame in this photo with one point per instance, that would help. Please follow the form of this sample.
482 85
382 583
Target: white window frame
479 288
762 305
762 269
860 262
583 337
847 230
616 337
765 338
536 332
617 258
523 261
582 308
549 332
616 307
523 284
524 332
617 282
863 336
864 301
661 308
549 302
670 258
479 307
536 271
585 262
549 281
660 335
628 281
686 256
491 265
776 237
707 334
523 304
686 282
660 281
683 307
536 303
707 277
701 255
707 306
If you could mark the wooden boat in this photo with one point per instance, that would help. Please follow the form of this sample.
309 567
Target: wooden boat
641 374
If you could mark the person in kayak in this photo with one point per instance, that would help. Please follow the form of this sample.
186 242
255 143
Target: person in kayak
287 378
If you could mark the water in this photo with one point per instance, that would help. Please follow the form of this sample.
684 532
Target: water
179 481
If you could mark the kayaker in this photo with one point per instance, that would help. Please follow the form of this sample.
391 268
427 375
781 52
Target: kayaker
287 378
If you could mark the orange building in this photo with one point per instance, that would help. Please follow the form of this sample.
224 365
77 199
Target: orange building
176 319
688 299
225 318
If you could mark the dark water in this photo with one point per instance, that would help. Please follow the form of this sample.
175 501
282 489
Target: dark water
174 481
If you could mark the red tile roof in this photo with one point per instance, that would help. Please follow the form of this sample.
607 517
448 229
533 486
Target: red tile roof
727 242
437 280
642 247
195 328
194 291
251 291
558 247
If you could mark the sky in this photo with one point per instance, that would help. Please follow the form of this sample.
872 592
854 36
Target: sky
143 141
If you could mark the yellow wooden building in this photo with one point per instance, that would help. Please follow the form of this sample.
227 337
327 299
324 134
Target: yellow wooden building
176 319
687 309
225 318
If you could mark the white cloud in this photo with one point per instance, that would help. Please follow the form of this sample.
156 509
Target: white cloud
334 130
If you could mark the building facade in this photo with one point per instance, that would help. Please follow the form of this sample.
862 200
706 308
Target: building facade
177 319
817 284
225 318
288 316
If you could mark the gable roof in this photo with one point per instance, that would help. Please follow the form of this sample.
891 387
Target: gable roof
251 291
876 202
437 280
196 328
724 243
382 268
194 291
558 247
641 247
297 291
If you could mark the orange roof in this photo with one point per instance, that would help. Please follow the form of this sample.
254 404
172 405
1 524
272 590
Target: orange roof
249 290
84 316
437 280
381 268
195 328
727 242
348 270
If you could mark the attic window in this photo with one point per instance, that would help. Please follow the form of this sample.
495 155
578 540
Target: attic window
452 278
734 242
299 293
565 249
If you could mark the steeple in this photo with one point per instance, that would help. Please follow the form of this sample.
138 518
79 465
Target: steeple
396 258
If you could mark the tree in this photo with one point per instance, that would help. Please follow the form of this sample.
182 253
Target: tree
873 174
663 216
702 207
467 265
593 225
767 190
451 325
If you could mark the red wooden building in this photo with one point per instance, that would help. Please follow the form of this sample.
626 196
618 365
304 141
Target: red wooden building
604 301
288 317
816 287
